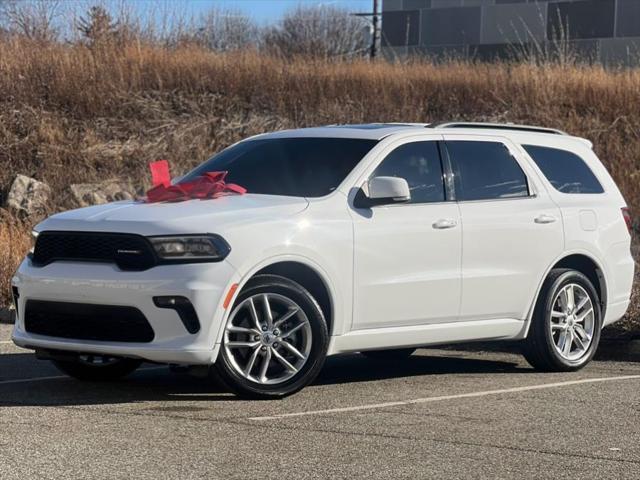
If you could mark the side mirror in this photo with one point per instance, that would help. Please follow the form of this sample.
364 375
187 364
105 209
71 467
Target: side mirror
384 191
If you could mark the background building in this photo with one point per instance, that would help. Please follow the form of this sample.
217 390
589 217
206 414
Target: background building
596 30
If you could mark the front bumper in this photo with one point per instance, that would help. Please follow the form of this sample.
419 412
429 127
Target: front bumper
204 284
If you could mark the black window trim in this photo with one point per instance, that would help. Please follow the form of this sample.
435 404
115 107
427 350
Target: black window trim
530 186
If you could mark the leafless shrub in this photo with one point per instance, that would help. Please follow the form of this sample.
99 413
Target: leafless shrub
324 32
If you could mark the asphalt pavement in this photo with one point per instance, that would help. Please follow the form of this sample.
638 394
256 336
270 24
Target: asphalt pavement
439 414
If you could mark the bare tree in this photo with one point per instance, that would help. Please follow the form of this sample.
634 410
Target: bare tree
221 29
35 19
324 31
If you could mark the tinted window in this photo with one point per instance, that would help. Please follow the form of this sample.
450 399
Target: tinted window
486 170
566 171
300 167
419 164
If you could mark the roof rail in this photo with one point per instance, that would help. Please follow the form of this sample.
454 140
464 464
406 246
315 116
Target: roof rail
497 126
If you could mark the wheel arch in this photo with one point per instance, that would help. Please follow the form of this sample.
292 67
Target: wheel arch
301 270
310 279
583 263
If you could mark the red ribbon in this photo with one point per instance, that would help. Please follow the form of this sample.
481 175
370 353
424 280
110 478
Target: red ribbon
210 185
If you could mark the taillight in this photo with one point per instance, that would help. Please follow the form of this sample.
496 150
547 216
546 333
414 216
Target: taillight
626 213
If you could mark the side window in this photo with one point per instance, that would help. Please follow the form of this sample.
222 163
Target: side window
485 170
566 171
419 164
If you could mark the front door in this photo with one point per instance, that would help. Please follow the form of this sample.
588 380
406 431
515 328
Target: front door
407 256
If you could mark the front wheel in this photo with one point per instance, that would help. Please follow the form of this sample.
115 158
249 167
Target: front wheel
275 340
97 368
566 323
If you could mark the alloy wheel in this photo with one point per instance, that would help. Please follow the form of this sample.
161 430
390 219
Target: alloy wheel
572 322
267 338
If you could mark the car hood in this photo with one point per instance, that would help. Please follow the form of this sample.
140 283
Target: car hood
191 216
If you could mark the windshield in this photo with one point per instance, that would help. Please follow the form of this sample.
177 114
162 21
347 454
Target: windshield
298 167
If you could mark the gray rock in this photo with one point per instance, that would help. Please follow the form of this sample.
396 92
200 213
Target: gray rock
28 196
7 315
85 194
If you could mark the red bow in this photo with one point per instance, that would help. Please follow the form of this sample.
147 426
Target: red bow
210 185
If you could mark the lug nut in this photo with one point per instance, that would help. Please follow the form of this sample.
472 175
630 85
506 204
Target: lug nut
256 338
264 349
264 328
276 332
275 345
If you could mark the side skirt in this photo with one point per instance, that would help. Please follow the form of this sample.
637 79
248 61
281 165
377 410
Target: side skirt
427 335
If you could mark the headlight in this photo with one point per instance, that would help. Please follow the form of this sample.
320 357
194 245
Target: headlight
187 248
34 237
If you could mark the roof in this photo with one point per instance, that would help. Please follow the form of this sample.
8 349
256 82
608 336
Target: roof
372 131
378 131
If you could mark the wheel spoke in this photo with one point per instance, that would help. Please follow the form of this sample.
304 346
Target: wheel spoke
582 303
283 361
285 317
234 344
251 362
580 342
571 301
568 342
555 314
293 350
294 329
581 318
234 329
581 332
563 300
265 365
267 311
557 326
254 314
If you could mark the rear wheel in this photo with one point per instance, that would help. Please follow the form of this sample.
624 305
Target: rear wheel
275 340
98 368
566 323
395 354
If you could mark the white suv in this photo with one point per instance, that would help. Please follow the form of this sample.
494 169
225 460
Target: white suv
372 238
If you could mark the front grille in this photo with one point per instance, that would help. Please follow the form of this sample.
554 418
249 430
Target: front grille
128 251
82 321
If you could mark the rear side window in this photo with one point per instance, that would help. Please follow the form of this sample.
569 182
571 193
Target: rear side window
485 171
419 164
566 171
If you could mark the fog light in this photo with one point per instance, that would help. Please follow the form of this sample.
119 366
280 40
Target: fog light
184 308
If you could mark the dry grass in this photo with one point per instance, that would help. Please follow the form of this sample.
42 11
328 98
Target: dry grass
15 241
71 114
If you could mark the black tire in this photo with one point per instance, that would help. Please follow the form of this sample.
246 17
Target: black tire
118 368
539 346
223 370
395 354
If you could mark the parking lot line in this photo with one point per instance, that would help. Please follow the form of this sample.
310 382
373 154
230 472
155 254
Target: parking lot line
446 397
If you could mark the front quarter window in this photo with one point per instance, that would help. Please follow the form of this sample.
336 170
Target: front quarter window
299 167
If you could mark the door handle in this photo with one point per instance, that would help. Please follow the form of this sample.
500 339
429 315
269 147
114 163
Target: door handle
544 218
444 223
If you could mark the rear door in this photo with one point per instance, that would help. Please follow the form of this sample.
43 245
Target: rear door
512 229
